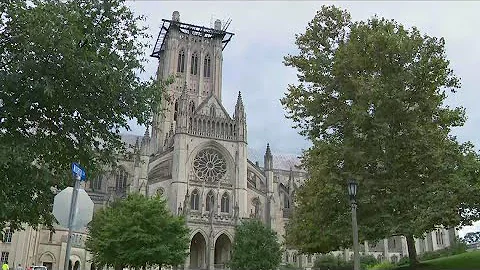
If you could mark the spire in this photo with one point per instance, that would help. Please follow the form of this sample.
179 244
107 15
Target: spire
268 152
145 142
268 159
146 134
239 108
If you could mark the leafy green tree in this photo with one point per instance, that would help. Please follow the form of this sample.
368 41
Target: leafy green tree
68 80
137 232
472 237
371 100
255 247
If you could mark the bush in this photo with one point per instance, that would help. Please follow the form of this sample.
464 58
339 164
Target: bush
288 267
368 260
382 266
330 262
457 247
403 261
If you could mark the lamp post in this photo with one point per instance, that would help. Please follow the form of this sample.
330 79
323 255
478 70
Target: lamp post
352 192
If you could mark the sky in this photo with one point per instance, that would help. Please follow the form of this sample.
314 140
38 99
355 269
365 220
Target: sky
265 33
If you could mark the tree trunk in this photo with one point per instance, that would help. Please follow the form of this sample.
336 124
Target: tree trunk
118 267
412 252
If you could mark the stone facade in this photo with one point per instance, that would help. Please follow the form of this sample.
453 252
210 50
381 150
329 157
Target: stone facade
196 156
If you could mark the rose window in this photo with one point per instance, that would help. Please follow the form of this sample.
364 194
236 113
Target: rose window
209 165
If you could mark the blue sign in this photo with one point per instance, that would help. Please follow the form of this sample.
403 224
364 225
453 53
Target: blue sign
77 170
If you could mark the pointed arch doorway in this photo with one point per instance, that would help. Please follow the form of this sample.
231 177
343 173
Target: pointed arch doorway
198 252
223 247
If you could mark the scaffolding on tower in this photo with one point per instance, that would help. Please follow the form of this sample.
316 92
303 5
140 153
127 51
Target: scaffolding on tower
191 29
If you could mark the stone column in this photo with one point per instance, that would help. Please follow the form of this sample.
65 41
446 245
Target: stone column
385 248
211 257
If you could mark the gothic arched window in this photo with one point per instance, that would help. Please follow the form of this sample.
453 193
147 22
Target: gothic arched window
194 200
175 111
286 201
212 111
210 201
194 64
192 107
225 203
96 183
121 179
256 207
206 66
181 61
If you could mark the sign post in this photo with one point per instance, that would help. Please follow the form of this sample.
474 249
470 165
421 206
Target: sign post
79 175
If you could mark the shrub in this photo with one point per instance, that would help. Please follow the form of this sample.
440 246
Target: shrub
457 247
403 261
368 260
382 266
330 262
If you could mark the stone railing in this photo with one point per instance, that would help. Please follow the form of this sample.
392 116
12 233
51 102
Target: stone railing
213 127
197 216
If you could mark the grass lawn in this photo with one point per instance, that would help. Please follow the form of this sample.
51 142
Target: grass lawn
465 261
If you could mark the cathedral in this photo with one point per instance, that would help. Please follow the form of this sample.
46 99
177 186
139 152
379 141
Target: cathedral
195 155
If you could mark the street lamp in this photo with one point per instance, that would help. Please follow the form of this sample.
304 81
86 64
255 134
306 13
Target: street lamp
352 192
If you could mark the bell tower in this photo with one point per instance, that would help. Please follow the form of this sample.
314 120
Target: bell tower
193 55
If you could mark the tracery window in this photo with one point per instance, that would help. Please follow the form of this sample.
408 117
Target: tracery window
7 236
256 207
206 66
175 111
181 61
121 179
194 200
225 203
96 183
212 111
209 165
192 107
210 201
286 201
194 64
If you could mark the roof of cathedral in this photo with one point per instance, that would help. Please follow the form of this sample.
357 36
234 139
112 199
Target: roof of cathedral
282 161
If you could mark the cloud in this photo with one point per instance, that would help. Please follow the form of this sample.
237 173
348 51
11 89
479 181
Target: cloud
265 32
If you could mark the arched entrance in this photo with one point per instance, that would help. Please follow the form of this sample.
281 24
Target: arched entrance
198 252
223 247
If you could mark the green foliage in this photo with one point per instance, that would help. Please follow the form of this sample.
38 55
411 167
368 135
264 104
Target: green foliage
368 260
332 262
382 266
136 232
467 260
288 267
329 261
403 261
456 248
255 247
371 99
472 237
69 83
